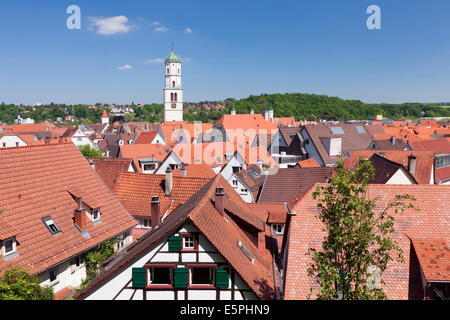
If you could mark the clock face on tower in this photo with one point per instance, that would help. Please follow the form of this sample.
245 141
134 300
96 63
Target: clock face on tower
173 105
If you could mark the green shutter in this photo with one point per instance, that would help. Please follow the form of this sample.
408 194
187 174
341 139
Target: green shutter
174 243
180 277
139 278
222 278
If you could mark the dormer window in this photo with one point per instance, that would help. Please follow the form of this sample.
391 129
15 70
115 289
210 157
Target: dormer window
51 225
9 246
278 228
96 215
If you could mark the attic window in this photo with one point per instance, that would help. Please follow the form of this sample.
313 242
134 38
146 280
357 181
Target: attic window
245 251
96 214
337 130
9 246
51 225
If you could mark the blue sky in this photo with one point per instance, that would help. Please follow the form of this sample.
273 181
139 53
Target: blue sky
234 49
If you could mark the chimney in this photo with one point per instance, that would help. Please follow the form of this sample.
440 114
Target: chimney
80 216
169 181
155 212
219 202
261 240
393 140
412 164
183 172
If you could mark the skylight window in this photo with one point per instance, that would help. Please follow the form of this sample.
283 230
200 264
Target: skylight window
245 251
337 130
51 225
360 129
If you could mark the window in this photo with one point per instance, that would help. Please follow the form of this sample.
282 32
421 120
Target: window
53 275
150 166
188 242
9 245
244 190
360 129
96 214
278 228
75 263
4 144
173 83
176 96
235 183
174 166
171 96
160 276
202 276
17 144
337 130
51 225
146 223
442 161
236 169
167 70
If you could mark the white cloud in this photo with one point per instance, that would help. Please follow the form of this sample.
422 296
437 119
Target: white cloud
188 30
125 67
186 59
156 23
161 29
111 25
157 60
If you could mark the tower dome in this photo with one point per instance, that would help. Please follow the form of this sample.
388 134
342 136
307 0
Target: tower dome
172 57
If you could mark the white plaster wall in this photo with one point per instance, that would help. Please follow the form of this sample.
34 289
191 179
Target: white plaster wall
310 148
202 294
400 177
108 290
65 277
10 141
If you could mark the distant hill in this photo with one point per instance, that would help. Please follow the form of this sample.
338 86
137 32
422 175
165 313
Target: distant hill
310 106
298 105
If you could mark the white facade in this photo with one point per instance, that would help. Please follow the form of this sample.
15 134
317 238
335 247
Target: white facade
80 139
119 287
8 141
173 92
400 177
72 272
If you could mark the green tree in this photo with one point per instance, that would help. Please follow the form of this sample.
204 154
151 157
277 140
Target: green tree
95 259
90 152
358 244
17 284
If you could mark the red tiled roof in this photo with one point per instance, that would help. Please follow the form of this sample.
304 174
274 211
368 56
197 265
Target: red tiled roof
432 221
223 234
309 163
291 183
135 190
146 137
6 230
424 161
434 258
35 183
109 168
439 146
201 170
144 151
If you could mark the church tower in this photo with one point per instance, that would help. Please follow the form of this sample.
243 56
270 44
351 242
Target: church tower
173 92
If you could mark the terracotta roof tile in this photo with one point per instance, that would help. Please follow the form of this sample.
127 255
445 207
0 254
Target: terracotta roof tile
35 181
432 221
109 168
434 258
135 190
